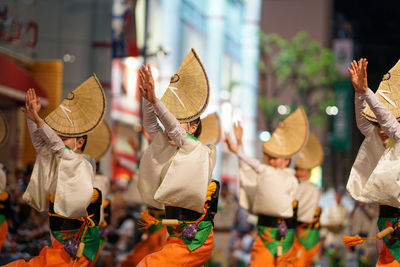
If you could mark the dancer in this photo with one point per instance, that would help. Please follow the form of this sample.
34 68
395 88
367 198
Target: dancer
62 179
269 190
307 241
373 178
175 170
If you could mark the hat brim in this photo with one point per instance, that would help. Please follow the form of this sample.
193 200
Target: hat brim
312 154
290 137
98 141
81 111
210 130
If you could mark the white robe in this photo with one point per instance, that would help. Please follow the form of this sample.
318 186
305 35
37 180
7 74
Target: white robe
59 171
308 196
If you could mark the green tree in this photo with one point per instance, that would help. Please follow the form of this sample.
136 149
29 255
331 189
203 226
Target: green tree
300 71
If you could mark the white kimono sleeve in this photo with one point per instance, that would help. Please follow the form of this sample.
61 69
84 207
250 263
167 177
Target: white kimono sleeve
367 159
155 161
186 181
308 196
275 192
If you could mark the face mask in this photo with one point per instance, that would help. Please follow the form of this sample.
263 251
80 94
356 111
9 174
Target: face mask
75 145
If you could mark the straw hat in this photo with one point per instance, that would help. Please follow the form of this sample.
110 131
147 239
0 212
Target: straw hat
98 141
3 129
189 91
311 155
290 136
388 93
210 130
81 111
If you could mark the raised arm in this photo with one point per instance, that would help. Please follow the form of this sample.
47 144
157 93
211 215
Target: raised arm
238 150
359 80
385 118
41 134
363 124
31 109
150 123
171 124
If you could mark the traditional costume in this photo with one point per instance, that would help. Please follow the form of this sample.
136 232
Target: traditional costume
62 180
178 178
374 175
4 197
270 193
307 242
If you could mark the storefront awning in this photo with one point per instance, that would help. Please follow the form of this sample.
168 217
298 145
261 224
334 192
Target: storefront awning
15 81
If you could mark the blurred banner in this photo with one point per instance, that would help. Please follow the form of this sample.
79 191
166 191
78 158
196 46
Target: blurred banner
125 103
343 49
123 25
18 32
341 123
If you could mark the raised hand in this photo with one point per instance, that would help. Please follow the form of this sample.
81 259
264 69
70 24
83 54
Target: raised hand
358 74
238 130
230 144
32 106
146 86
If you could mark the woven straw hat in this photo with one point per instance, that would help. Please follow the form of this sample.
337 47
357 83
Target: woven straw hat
3 129
81 111
210 130
98 141
290 136
311 155
189 91
388 93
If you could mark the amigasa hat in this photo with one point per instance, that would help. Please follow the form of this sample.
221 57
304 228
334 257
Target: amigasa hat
3 129
81 111
210 129
311 155
188 93
290 136
388 93
98 141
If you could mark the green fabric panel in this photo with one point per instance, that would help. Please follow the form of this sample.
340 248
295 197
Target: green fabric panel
2 218
271 239
203 231
91 240
395 247
192 137
308 240
155 227
102 241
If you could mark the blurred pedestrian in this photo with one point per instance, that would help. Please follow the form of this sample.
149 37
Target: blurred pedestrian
334 221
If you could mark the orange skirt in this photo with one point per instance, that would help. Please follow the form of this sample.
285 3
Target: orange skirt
386 258
304 257
52 256
260 256
153 243
175 254
3 233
